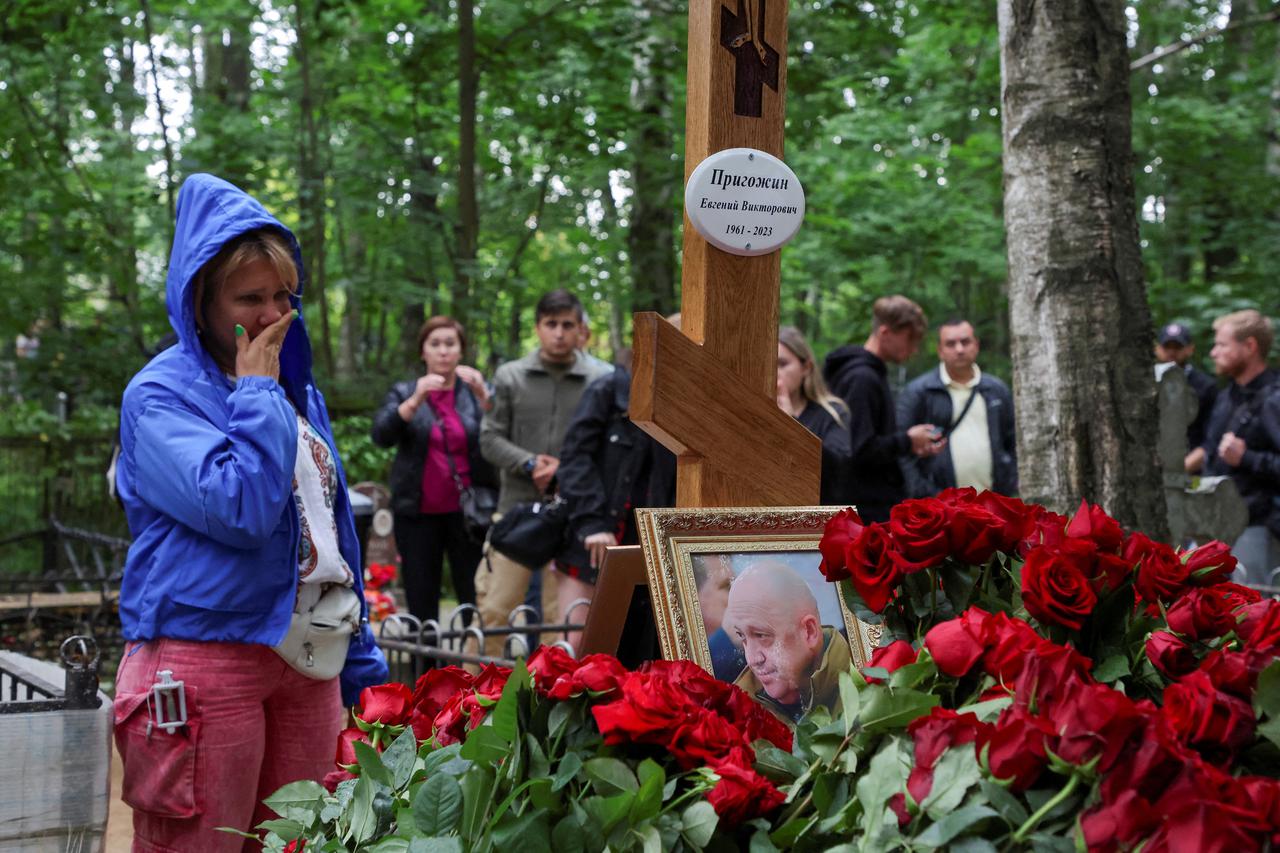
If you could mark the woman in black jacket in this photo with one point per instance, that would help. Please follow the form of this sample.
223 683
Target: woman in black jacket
803 395
434 424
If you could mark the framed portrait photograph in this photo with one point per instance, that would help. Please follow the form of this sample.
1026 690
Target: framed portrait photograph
738 592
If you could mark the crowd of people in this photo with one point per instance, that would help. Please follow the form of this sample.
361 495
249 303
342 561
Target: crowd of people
242 592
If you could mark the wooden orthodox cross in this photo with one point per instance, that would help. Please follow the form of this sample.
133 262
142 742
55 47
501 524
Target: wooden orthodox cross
709 393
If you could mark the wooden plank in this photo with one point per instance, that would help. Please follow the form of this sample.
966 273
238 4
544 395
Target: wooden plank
760 455
56 600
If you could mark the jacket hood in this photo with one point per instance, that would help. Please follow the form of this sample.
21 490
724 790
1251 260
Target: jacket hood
211 213
851 356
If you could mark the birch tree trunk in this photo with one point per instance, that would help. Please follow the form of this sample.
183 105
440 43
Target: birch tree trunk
1081 329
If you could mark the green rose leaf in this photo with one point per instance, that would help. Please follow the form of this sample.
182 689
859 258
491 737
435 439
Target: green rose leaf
611 775
485 745
848 701
569 767
698 824
286 829
528 833
437 805
953 824
435 845
400 758
1112 669
566 837
884 708
955 772
778 764
371 765
1266 697
362 820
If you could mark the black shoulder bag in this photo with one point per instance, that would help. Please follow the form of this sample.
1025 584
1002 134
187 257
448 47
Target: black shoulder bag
532 533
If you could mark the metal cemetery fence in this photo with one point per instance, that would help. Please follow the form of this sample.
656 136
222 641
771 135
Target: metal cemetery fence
413 646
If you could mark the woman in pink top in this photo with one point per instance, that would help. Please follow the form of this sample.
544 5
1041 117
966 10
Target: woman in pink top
434 421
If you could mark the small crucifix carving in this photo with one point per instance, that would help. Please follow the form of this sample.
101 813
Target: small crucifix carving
755 60
709 393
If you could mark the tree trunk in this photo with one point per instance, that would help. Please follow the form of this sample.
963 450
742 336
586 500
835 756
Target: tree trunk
651 232
468 229
311 177
1081 330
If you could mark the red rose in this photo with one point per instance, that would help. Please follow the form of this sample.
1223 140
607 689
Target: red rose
872 571
975 534
1235 672
1010 643
1237 595
599 675
297 845
1206 809
897 654
1094 721
933 735
1049 673
437 686
842 528
1259 626
1201 614
703 738
898 803
1055 590
742 794
1211 563
1016 519
957 644
347 739
1091 522
1044 528
548 664
957 496
647 710
754 721
1161 575
919 530
388 704
1205 717
491 680
1120 824
450 724
1170 655
1015 747
334 778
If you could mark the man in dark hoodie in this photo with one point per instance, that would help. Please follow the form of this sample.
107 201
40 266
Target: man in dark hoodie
857 374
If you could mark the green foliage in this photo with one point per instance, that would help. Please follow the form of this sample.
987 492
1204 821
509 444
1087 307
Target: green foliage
495 791
362 459
893 125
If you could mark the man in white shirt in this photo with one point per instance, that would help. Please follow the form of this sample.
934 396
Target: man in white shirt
974 411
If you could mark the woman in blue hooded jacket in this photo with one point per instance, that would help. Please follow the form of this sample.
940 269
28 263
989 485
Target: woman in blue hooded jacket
242 534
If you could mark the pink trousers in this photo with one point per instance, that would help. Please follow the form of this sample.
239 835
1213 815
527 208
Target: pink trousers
254 725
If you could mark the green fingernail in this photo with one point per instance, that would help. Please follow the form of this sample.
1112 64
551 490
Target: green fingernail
239 331
295 313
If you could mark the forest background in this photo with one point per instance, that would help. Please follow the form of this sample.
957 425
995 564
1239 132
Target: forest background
466 156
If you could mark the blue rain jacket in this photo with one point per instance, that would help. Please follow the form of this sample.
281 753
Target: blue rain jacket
206 469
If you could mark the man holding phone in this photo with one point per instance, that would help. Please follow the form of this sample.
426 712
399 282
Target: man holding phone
859 376
977 410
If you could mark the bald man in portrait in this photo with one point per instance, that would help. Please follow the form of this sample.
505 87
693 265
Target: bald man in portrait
793 661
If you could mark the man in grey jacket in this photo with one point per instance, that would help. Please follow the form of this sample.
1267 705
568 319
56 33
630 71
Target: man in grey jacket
534 398
973 409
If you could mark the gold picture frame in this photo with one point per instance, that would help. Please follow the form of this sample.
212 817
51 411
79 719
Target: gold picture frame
681 545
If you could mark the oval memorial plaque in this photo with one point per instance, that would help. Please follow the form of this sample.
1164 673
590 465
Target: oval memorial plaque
744 201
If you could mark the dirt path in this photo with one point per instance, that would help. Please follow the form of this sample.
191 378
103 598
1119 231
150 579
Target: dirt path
119 816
